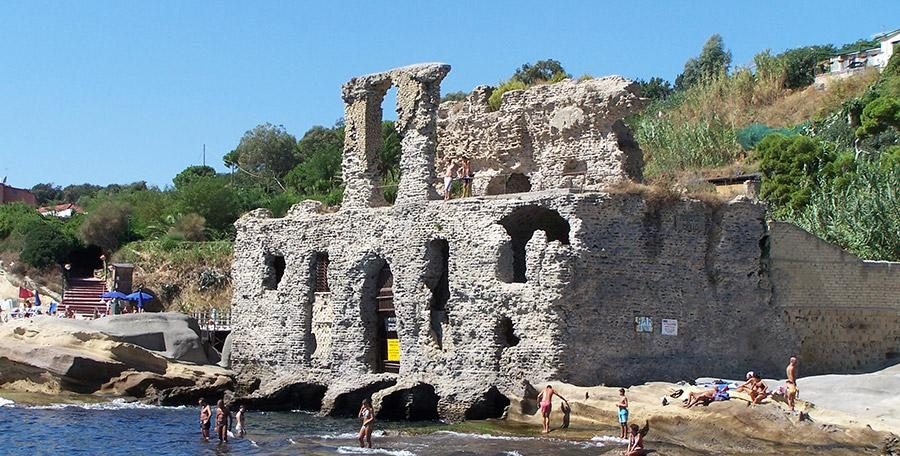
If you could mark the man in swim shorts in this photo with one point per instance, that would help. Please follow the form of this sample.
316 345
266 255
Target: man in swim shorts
205 415
448 179
545 398
623 412
792 389
223 416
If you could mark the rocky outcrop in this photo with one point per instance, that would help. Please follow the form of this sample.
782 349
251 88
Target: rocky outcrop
151 356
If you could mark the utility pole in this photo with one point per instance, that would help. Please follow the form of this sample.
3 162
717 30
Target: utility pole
204 154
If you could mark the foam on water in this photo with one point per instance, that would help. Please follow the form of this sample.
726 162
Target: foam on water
6 402
356 450
117 404
608 438
347 435
512 453
593 443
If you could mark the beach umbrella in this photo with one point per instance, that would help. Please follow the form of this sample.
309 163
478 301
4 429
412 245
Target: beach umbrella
115 294
140 296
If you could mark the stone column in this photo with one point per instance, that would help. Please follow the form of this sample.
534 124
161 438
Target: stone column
418 97
362 139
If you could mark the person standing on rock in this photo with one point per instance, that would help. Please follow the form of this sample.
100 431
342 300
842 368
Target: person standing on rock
367 415
465 172
792 389
545 398
448 179
623 412
205 415
222 421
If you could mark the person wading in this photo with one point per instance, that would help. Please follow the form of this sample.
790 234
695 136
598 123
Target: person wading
546 402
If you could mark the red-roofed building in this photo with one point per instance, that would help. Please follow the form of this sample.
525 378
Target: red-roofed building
12 195
64 210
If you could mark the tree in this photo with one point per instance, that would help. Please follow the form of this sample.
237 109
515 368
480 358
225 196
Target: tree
541 71
106 226
46 193
800 64
74 193
656 88
190 227
190 173
320 172
212 199
16 217
45 244
267 151
712 62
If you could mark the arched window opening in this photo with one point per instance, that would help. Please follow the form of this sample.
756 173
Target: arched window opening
518 183
521 225
437 280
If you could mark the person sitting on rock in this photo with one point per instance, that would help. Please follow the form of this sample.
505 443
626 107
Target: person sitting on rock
759 391
636 440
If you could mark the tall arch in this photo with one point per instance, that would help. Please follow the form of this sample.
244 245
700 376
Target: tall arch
379 319
521 224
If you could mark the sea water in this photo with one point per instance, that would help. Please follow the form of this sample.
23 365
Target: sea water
120 428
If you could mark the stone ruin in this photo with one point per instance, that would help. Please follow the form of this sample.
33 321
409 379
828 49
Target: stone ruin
443 308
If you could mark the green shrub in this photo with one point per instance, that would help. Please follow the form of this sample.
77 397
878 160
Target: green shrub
14 217
750 136
189 227
879 115
106 226
45 243
497 95
789 166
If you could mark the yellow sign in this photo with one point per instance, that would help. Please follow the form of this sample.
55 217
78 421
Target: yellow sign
393 349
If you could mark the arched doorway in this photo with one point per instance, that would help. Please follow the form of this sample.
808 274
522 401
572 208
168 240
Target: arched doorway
380 320
388 340
84 261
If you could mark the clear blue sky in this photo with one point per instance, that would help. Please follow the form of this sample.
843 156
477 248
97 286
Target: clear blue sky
119 91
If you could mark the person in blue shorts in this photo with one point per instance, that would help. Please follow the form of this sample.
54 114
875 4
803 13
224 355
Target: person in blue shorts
623 412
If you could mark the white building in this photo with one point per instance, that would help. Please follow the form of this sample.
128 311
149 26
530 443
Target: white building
851 63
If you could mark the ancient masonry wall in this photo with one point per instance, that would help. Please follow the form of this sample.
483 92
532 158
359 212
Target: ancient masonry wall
845 311
564 135
492 294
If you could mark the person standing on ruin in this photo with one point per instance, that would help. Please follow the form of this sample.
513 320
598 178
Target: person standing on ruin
545 398
205 415
448 178
792 389
623 412
465 172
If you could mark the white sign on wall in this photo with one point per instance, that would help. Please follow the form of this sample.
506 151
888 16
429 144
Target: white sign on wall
669 327
643 324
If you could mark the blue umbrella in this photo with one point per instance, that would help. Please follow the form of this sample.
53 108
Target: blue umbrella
140 297
115 294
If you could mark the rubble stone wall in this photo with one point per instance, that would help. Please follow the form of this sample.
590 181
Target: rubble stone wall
564 135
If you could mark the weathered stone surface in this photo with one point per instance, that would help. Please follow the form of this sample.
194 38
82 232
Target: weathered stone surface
171 334
564 135
50 355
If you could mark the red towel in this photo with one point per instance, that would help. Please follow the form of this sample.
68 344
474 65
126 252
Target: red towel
25 293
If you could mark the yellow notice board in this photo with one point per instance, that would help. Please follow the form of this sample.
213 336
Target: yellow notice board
393 349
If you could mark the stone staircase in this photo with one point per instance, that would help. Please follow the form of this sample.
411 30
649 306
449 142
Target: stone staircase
83 296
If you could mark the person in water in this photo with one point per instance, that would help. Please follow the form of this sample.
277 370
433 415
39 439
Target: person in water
239 422
205 415
367 415
222 421
623 412
546 401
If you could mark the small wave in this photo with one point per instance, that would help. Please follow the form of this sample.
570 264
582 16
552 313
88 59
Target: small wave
116 404
486 436
608 438
356 450
512 453
347 435
6 402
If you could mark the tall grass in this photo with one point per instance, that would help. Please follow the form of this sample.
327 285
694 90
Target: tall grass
671 146
861 214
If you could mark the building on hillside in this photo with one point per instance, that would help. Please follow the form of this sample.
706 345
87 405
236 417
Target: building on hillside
561 268
852 63
64 210
11 195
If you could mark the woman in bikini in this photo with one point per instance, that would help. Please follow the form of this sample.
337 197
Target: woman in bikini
546 400
222 418
367 415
